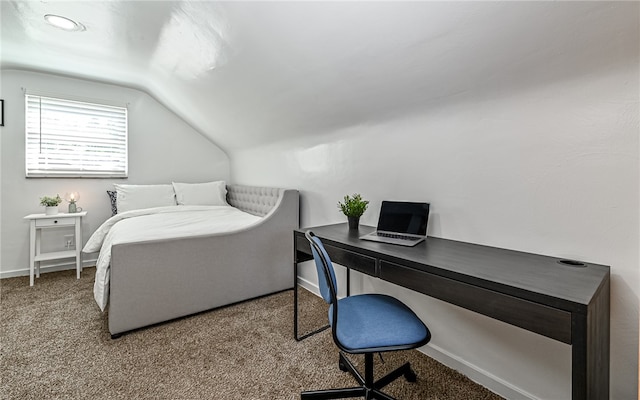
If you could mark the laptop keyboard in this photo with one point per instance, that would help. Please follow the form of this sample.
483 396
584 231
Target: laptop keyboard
397 236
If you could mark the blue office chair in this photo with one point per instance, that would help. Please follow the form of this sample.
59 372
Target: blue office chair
365 324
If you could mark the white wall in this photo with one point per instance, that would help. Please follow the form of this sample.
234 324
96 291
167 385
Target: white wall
549 169
162 148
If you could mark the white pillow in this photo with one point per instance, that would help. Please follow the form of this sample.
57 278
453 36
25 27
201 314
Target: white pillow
201 194
134 197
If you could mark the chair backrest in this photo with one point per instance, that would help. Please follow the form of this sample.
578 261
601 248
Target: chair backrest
324 268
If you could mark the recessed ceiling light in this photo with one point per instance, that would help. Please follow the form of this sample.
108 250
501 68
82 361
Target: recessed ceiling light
63 23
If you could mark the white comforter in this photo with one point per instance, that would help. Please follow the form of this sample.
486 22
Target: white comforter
158 223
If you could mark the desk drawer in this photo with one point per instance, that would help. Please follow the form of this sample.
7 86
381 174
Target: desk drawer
42 223
538 318
355 261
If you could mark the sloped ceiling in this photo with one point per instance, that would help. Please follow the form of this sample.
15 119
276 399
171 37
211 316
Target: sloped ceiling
245 73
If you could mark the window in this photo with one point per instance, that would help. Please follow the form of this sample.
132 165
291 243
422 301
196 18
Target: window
66 138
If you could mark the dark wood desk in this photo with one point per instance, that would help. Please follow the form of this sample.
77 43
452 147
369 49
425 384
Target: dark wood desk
545 295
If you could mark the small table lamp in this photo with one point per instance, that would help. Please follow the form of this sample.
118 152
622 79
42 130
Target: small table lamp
72 198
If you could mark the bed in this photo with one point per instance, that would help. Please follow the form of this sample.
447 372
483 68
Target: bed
162 278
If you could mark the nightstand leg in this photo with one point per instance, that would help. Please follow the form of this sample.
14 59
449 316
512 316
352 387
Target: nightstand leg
37 253
78 247
32 250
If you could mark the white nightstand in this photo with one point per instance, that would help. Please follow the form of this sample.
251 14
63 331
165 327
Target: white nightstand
43 221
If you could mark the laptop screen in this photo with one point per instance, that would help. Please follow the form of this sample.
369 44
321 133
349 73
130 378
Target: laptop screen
404 217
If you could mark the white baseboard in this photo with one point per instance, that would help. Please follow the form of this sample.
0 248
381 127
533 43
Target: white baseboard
62 266
476 374
310 286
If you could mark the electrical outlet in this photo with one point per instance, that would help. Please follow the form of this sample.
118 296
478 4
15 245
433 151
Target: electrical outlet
69 241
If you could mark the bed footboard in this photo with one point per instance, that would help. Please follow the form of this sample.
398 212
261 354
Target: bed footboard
160 280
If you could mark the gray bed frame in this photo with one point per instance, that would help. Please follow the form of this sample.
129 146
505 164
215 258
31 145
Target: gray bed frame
161 280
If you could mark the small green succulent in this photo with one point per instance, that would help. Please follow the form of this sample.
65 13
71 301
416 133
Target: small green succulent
353 206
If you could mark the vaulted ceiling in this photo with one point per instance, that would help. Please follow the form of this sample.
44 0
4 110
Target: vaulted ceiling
249 73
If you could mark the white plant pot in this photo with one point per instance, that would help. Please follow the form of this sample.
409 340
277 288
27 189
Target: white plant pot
53 210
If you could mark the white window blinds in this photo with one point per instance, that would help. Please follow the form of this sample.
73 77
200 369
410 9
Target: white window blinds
66 138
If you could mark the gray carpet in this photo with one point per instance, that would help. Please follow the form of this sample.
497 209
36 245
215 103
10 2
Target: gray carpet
54 344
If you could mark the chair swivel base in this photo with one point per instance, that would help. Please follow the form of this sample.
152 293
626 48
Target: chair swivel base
368 388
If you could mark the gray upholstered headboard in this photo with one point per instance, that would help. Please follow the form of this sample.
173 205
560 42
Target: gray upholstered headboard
252 199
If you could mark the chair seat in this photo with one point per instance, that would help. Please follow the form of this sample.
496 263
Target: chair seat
369 321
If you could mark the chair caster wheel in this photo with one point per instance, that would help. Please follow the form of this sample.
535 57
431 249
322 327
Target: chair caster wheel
410 376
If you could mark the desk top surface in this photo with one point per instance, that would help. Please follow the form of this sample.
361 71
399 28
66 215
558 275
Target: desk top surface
508 271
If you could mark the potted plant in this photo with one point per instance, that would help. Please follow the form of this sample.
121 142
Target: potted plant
50 204
353 207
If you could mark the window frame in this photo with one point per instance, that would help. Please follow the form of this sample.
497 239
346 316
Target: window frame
100 129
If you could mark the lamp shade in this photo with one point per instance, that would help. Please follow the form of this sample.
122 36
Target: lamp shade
72 197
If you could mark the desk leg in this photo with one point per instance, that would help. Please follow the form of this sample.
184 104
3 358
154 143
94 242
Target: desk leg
295 309
590 350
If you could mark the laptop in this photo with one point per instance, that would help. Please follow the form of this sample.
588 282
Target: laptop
401 222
